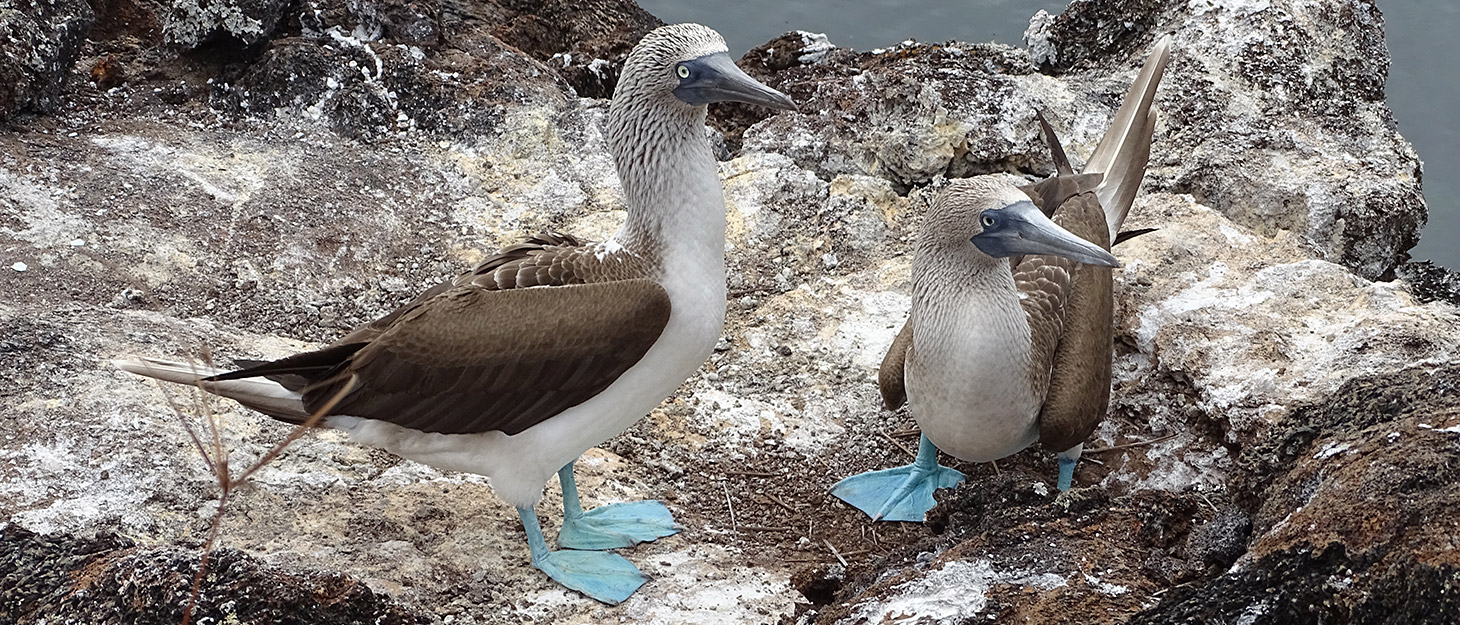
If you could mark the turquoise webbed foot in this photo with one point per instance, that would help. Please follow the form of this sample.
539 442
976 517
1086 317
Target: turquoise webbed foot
900 494
607 577
617 525
612 526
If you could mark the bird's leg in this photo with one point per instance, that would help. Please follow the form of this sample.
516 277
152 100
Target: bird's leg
612 526
1067 459
607 577
900 494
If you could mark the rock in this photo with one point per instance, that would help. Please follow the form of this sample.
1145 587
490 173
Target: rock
129 583
38 44
1013 552
243 23
1298 87
1353 500
907 114
138 20
1249 129
366 151
1431 282
366 90
1247 327
585 42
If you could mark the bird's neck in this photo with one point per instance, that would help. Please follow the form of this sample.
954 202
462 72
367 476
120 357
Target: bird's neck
939 271
967 302
671 184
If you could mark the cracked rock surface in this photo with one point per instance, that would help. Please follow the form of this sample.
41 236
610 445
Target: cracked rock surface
1284 430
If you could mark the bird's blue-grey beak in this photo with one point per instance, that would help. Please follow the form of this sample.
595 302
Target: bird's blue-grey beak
715 78
1021 228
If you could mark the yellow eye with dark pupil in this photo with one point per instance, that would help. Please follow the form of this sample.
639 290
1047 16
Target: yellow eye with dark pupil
683 71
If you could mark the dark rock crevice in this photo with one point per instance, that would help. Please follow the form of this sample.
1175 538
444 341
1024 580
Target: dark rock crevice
111 579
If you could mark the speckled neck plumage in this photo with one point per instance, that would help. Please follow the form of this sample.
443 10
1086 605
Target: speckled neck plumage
669 177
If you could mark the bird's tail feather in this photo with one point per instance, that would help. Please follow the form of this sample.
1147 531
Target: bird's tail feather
1126 146
260 394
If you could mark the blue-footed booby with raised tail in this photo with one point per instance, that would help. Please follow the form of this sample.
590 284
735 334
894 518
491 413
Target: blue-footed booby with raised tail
1009 337
549 347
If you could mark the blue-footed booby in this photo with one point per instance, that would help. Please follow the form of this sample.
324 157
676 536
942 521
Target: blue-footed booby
1009 337
551 346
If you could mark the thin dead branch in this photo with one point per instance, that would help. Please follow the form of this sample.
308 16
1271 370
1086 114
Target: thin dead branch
215 456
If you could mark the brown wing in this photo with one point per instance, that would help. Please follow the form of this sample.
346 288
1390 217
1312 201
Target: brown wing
475 360
538 261
1069 311
538 327
1051 193
542 260
889 376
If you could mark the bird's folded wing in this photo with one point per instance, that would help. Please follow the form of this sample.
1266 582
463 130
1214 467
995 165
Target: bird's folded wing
474 359
1044 284
889 376
1068 306
541 260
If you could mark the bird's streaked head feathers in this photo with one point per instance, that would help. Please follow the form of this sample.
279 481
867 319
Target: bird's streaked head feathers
691 62
1000 221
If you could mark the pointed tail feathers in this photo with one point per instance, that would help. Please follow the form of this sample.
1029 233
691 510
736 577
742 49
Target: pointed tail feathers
260 394
1126 146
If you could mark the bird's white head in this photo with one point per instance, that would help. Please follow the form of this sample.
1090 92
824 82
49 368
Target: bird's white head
690 65
997 220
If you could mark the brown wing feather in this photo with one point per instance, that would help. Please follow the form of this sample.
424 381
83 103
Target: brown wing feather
1044 284
498 271
476 360
1049 194
501 347
889 376
1069 307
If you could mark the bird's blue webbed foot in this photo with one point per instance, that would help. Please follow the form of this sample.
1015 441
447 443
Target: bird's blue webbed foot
900 494
607 577
617 525
612 526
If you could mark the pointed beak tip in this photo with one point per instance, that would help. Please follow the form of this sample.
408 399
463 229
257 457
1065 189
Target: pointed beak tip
778 101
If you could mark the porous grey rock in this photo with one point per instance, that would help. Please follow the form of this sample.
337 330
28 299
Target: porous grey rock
38 44
193 23
1296 87
1273 112
166 218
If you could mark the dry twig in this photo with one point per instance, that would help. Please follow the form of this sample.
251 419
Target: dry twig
1152 441
899 444
215 457
731 505
780 502
839 557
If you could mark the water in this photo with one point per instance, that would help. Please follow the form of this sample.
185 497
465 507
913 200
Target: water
1423 90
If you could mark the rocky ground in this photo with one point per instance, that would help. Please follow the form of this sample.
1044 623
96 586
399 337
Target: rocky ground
245 178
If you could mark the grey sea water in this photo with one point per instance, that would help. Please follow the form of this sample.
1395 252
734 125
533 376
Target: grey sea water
1423 89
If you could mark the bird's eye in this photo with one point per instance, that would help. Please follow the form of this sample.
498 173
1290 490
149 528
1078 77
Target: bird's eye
682 71
987 221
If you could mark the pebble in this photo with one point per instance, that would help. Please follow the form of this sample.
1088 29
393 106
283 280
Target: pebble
19 267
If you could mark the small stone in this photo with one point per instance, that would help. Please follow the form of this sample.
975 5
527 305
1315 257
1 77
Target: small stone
20 267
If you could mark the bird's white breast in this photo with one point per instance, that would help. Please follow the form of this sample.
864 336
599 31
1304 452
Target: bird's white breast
967 376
